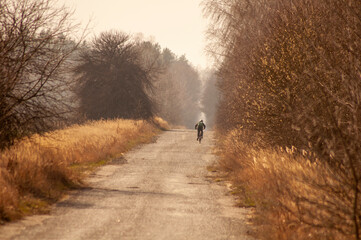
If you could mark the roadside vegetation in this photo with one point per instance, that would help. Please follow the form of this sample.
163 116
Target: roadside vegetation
289 116
37 171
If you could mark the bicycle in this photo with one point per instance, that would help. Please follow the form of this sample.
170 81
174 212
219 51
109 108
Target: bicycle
200 136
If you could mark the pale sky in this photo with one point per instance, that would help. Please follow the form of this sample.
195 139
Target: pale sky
175 24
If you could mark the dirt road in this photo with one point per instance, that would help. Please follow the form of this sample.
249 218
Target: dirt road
161 192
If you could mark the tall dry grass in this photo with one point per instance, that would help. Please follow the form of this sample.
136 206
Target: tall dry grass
294 197
37 170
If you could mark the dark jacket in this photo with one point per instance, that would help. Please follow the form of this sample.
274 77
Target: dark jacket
200 126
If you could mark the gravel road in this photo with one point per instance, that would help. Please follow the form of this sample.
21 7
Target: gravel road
163 191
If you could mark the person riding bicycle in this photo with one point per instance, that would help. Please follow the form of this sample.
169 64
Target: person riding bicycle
200 126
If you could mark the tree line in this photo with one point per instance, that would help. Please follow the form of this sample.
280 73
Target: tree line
289 75
51 78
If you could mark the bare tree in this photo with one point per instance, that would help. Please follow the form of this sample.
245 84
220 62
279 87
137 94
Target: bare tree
34 47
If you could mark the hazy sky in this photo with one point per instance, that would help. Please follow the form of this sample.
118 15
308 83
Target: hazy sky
176 24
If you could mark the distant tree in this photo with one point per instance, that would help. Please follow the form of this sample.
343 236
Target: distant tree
34 49
177 91
190 91
150 58
168 56
114 79
210 98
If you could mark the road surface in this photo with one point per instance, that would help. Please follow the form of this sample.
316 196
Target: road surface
163 191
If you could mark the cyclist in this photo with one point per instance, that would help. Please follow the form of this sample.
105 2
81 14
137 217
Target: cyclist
200 126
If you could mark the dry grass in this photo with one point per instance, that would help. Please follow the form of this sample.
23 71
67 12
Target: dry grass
294 197
38 170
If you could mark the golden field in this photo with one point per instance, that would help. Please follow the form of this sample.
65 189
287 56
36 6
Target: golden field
38 170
